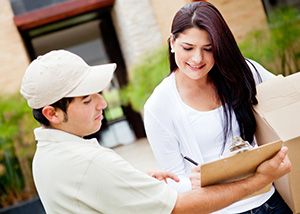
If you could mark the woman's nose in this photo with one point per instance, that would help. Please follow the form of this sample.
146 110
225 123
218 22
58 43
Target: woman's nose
197 57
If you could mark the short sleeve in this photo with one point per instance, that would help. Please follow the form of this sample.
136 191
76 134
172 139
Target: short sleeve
120 188
260 74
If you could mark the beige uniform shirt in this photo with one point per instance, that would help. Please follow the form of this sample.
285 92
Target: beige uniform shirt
74 175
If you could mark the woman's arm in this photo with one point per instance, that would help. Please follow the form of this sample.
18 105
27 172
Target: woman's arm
166 150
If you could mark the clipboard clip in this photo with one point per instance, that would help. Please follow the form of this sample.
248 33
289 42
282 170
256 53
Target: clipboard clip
237 146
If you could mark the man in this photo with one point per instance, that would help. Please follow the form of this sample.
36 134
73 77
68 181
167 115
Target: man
74 175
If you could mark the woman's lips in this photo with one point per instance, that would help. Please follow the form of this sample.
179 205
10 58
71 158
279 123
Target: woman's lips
196 67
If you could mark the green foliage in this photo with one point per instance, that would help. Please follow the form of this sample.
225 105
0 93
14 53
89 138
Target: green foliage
145 76
113 110
278 47
16 150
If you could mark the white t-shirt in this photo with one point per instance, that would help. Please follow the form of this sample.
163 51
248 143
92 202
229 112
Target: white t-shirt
73 175
175 129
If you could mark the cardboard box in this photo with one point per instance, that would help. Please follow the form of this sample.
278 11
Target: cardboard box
278 119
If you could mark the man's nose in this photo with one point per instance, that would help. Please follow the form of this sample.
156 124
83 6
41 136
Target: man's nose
102 104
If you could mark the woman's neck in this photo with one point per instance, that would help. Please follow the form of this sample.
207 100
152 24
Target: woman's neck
199 94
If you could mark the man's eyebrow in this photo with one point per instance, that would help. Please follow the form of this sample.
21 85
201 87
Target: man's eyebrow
83 97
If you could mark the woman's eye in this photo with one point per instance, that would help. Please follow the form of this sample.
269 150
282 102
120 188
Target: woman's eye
207 49
187 49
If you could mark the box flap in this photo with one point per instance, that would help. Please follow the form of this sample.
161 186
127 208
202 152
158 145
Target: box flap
294 80
277 93
285 121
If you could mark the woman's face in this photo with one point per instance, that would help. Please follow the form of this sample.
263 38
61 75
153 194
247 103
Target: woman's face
193 53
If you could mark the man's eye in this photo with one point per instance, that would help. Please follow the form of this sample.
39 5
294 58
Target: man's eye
87 101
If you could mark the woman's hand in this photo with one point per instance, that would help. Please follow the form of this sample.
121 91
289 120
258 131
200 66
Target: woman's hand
163 175
195 178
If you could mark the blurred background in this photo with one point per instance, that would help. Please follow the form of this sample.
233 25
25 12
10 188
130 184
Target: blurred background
133 34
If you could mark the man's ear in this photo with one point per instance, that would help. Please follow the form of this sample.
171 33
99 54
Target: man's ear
52 114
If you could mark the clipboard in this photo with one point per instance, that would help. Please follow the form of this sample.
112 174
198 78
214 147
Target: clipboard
237 166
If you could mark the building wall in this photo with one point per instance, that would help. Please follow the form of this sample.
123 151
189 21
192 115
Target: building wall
164 12
136 28
13 57
242 16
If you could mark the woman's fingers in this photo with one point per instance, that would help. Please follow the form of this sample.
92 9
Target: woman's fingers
163 175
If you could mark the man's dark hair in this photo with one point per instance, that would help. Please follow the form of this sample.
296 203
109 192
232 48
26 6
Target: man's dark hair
61 104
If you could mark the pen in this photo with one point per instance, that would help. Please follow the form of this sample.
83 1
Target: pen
190 160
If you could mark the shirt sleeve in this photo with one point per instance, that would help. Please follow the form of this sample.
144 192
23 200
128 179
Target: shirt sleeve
166 150
120 188
260 72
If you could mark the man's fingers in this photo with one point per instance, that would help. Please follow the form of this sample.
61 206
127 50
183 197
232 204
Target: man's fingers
282 161
281 155
283 152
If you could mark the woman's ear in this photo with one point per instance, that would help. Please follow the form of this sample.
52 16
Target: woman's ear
52 114
172 40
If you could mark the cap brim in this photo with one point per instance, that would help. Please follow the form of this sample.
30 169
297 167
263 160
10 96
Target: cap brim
97 79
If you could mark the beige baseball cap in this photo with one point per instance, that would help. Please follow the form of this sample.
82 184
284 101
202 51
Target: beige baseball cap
60 74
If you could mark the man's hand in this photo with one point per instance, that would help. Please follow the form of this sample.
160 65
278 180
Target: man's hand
276 167
195 178
163 175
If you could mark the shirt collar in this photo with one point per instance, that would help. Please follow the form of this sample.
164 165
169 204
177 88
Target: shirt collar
55 135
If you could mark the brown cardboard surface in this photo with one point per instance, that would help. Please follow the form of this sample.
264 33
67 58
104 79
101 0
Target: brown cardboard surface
293 186
237 166
278 118
285 122
275 94
294 80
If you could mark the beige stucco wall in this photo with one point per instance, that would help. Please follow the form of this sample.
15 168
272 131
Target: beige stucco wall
137 29
13 57
164 12
143 25
242 16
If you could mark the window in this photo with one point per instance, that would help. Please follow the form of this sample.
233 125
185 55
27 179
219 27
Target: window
24 6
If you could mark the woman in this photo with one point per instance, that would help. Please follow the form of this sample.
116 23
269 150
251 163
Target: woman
206 100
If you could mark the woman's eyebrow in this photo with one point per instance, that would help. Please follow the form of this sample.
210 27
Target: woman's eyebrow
186 43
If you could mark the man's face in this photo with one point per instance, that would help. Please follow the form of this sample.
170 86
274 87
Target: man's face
84 115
